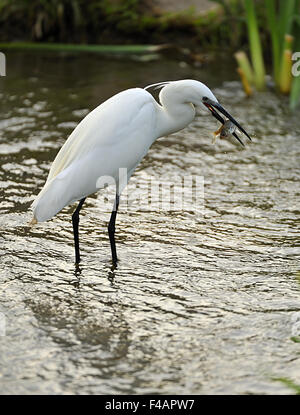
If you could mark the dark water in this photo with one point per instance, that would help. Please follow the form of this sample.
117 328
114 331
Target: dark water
202 302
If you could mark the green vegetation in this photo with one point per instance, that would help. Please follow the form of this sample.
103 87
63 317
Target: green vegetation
95 25
121 22
255 46
104 22
283 27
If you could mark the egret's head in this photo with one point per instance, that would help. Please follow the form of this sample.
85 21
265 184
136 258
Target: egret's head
186 90
200 95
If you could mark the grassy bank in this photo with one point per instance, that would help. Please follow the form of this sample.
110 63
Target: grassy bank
117 22
268 28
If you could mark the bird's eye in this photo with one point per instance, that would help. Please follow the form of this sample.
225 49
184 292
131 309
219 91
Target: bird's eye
204 99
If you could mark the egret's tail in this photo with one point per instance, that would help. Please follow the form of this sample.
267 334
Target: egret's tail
51 199
55 195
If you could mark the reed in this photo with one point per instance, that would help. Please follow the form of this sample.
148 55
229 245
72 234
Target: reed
245 65
283 27
255 46
245 82
285 76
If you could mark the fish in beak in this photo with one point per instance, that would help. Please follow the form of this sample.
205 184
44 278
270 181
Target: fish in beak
213 106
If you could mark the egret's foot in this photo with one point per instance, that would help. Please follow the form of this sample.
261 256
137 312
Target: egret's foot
111 276
114 264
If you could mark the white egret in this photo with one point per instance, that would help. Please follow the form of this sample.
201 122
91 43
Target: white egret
117 134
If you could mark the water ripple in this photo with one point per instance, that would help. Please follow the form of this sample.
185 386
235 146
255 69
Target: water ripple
201 301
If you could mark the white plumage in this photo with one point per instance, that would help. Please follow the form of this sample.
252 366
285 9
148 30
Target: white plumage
117 135
107 138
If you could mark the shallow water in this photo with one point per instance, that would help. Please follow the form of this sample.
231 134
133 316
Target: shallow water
202 302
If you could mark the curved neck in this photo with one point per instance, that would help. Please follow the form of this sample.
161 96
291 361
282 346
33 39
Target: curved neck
173 114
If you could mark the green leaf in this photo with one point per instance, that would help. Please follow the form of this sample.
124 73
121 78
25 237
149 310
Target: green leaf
255 46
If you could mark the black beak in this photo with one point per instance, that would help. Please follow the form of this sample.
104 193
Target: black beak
213 105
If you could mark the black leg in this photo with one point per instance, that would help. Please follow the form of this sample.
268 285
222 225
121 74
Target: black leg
75 221
111 231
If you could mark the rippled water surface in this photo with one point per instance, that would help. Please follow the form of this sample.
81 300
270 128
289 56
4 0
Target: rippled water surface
202 302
